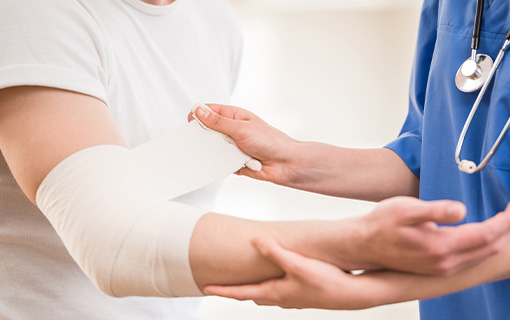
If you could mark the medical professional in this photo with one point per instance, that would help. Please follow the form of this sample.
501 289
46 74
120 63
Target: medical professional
427 144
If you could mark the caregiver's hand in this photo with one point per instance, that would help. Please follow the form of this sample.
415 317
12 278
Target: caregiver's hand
307 283
273 148
402 234
366 174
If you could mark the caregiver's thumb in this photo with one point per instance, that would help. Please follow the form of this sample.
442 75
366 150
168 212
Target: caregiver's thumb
216 122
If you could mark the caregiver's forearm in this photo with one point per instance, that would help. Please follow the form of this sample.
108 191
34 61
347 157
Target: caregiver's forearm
374 174
367 174
391 287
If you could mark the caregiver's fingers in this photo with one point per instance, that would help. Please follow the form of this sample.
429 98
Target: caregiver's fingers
190 117
231 112
262 291
259 175
216 122
235 128
291 262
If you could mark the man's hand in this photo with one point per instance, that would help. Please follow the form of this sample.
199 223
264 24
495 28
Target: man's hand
403 234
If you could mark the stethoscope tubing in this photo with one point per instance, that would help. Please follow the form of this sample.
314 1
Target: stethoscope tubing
477 28
467 165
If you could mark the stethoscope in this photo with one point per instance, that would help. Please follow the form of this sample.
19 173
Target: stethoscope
475 73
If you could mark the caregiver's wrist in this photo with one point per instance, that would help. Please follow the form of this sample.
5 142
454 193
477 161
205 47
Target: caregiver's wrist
382 288
289 163
297 163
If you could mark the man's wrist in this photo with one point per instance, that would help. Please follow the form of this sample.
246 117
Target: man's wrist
347 245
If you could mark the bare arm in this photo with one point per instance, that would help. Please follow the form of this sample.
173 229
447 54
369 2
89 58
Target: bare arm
392 287
367 174
400 234
40 127
221 250
310 283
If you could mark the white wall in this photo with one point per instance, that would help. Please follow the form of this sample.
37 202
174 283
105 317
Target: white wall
335 71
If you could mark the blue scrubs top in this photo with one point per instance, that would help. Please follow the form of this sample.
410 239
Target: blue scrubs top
437 112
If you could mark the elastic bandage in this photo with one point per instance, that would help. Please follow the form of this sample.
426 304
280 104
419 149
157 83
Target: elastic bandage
112 208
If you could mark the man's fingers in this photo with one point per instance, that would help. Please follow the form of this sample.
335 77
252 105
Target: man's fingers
469 258
442 211
472 256
467 244
289 261
484 234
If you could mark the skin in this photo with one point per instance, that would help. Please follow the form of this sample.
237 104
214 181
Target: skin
40 127
313 166
450 250
310 283
403 241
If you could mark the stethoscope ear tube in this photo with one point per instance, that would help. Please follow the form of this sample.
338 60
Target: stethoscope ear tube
477 29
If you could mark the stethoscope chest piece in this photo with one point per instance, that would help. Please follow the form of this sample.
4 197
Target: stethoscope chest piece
476 73
472 74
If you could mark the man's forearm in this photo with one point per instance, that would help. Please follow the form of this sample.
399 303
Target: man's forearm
221 251
366 174
399 235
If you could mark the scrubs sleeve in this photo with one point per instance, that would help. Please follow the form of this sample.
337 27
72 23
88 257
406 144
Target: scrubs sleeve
408 144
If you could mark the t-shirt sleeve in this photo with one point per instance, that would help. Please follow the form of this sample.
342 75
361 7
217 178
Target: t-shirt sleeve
409 142
52 43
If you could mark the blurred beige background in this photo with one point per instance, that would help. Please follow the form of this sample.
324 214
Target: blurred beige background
335 71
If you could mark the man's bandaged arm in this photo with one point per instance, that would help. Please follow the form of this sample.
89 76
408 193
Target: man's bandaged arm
115 220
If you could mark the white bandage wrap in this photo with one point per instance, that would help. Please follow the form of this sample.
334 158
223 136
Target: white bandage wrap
111 207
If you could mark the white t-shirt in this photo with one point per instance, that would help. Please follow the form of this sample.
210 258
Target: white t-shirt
149 64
